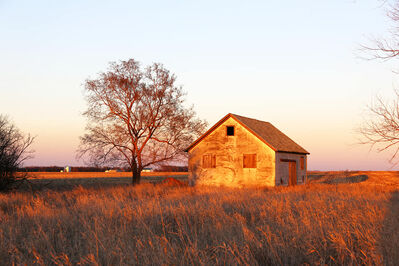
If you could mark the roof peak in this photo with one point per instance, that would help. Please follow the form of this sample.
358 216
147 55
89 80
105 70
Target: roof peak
263 130
249 118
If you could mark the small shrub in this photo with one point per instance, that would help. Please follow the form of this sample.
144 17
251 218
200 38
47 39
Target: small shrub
14 151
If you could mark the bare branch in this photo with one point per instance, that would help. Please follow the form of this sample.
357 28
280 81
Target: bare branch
385 48
381 129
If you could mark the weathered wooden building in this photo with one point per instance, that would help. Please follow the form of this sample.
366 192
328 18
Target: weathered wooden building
240 151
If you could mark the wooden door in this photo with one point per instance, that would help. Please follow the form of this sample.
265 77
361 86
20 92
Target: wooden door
292 173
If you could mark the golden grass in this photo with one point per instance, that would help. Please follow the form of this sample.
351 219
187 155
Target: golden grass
320 223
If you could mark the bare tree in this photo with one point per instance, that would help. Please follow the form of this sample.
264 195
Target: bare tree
381 128
14 150
136 118
386 48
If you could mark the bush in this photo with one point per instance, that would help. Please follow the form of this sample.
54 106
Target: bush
14 150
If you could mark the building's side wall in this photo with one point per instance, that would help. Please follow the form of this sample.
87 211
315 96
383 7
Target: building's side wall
229 151
282 168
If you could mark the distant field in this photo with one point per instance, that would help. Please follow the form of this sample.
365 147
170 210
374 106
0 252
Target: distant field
89 179
372 177
339 218
387 179
56 175
67 181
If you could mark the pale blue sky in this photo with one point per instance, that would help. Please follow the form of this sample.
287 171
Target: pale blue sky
293 63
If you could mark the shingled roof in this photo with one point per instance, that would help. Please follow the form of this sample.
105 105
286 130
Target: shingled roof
265 131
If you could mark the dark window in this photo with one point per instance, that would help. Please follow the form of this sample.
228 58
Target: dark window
209 161
249 161
230 131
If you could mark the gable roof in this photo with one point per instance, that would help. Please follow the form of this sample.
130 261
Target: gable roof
265 131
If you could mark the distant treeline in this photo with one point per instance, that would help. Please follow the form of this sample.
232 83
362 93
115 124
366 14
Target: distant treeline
59 168
161 168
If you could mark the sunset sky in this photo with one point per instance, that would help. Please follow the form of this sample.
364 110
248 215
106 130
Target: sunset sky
295 64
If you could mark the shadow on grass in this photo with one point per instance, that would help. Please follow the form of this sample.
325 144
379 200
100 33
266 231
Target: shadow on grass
388 243
66 184
336 178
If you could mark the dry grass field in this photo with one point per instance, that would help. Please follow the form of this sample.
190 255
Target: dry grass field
338 218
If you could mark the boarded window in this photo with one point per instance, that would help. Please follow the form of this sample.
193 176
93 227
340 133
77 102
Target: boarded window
209 161
230 131
302 163
249 161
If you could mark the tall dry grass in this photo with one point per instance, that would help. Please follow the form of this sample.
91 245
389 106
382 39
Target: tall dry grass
312 224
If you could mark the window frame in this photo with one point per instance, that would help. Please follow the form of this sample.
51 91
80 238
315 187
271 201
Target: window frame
209 161
249 160
227 131
302 163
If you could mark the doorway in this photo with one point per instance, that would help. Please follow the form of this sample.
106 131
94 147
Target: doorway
292 177
292 173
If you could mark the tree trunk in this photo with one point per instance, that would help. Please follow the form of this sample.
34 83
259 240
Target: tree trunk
136 177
